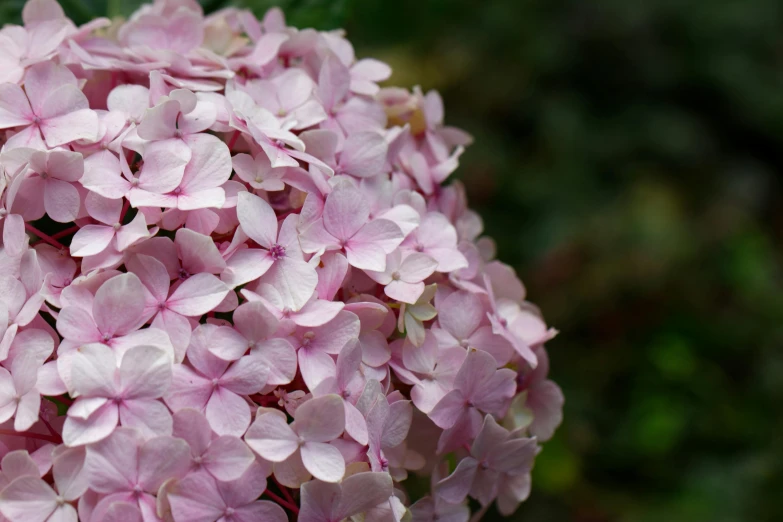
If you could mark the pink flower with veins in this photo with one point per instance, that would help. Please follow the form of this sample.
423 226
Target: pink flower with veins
30 498
222 456
324 502
316 312
346 114
493 453
94 239
108 394
347 384
437 238
180 115
316 423
214 386
200 498
403 277
193 297
254 327
286 270
258 172
200 185
429 368
478 388
345 224
387 423
20 396
288 96
115 311
50 174
51 105
462 320
124 468
542 397
316 345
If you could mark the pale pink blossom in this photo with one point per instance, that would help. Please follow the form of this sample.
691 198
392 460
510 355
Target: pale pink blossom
316 423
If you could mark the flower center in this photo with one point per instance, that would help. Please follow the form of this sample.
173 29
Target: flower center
277 251
395 276
183 274
307 338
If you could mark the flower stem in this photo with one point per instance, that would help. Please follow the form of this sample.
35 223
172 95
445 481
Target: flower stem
66 232
27 435
233 140
44 237
284 503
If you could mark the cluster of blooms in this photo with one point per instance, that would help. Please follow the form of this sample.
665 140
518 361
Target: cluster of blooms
233 288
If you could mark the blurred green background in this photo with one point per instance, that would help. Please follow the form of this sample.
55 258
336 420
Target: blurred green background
627 161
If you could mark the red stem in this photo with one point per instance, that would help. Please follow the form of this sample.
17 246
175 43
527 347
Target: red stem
67 231
284 491
125 207
37 436
51 430
44 237
233 140
282 502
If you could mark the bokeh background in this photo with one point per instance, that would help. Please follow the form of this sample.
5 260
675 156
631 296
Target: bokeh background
627 161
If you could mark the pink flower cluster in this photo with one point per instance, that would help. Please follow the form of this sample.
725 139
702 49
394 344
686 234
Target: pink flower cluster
233 286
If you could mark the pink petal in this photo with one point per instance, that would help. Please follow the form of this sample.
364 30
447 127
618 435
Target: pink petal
133 232
246 376
150 417
333 82
460 314
346 210
28 498
188 389
70 125
449 409
92 371
363 491
145 373
227 458
315 366
161 459
90 240
280 359
245 266
254 321
118 305
152 273
363 155
109 464
321 419
61 200
323 461
257 219
14 108
228 413
404 292
160 122
272 438
77 325
164 166
455 487
294 279
196 499
101 424
260 510
198 252
209 166
197 295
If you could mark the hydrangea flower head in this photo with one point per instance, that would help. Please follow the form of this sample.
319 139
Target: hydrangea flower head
237 285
